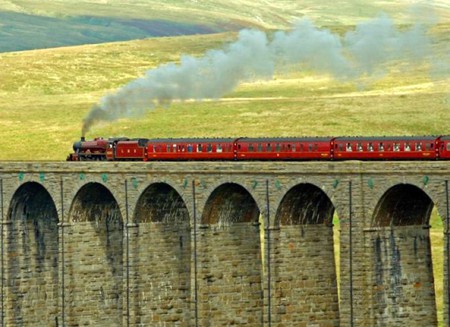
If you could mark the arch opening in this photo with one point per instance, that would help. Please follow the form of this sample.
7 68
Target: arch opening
305 204
161 203
32 242
96 240
305 239
230 203
403 205
402 258
161 255
229 256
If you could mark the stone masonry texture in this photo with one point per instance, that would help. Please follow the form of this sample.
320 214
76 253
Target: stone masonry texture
221 243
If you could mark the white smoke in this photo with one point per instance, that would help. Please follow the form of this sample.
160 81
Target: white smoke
362 52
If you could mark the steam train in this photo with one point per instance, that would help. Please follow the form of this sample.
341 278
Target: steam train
245 149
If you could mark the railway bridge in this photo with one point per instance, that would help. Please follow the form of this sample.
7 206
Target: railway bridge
222 243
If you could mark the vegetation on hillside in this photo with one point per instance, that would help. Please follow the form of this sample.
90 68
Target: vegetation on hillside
46 93
30 24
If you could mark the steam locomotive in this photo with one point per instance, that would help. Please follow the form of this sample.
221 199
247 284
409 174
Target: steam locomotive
245 149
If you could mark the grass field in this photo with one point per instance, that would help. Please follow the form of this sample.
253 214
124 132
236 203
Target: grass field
46 93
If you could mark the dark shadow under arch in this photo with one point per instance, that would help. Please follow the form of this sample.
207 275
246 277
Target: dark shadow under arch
161 258
305 239
402 260
33 246
229 255
161 203
305 204
403 205
230 203
96 240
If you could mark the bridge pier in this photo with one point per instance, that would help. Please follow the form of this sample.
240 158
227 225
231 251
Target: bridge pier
187 244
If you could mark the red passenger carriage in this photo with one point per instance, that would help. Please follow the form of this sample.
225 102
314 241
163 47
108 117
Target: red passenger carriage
444 147
192 149
386 148
289 148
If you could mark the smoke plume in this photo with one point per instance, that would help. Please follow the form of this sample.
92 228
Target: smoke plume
255 55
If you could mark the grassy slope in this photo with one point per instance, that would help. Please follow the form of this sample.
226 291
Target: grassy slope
49 91
30 24
271 14
46 93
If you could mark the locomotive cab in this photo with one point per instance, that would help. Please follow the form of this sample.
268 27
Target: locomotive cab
89 150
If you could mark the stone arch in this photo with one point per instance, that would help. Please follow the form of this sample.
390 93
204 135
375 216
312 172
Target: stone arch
304 204
402 260
403 205
138 186
230 203
327 190
160 202
161 254
229 258
304 239
87 184
95 217
32 242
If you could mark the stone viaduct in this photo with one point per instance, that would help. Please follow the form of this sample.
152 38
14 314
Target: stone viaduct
221 243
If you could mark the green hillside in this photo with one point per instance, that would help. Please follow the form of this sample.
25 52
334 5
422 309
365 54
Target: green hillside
46 93
29 24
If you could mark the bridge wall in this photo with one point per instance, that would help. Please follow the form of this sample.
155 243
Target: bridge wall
209 244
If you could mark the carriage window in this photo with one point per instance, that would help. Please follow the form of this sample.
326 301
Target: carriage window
359 147
278 147
341 147
199 148
348 148
259 147
396 146
419 146
268 148
370 147
309 147
219 147
293 147
168 148
429 146
381 147
209 147
407 147
189 147
302 147
251 148
448 146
